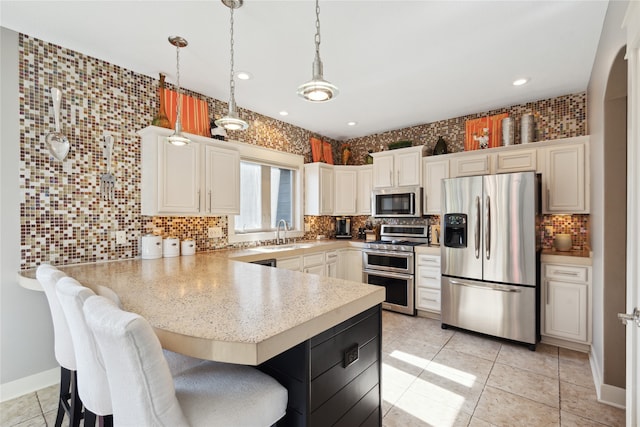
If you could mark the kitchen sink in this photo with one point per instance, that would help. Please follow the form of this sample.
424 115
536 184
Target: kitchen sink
278 248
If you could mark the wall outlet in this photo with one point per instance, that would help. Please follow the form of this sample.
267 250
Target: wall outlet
548 230
121 237
214 232
307 227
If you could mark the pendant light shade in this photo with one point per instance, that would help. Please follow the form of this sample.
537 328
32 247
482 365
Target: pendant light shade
178 138
317 89
232 121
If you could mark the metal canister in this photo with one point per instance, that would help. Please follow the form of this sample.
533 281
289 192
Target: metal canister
527 128
508 131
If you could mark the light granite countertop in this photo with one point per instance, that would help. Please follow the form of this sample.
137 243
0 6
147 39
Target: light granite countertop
213 307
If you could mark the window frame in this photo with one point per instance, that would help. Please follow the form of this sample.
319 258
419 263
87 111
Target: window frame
281 159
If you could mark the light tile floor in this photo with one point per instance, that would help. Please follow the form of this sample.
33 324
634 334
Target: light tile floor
436 377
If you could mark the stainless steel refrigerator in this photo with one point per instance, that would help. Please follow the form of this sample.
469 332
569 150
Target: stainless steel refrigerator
490 255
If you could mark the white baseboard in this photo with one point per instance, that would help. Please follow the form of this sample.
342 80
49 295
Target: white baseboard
607 394
29 384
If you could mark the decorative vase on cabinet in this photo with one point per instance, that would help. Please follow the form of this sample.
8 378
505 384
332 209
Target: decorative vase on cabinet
161 118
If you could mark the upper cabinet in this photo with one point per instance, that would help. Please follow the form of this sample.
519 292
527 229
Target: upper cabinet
222 184
365 185
345 190
397 168
565 179
563 164
318 186
435 170
195 179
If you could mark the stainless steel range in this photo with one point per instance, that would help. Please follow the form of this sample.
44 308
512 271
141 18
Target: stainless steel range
389 262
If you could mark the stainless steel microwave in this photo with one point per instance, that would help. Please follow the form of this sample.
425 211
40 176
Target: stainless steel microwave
397 202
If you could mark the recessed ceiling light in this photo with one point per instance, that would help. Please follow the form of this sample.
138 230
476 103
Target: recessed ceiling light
284 113
520 82
243 75
352 123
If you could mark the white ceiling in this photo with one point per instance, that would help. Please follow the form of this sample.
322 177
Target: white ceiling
396 63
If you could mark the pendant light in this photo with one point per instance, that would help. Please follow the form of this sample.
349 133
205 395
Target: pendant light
232 121
178 138
317 89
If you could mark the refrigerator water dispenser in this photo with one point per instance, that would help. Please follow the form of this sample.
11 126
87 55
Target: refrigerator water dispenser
455 230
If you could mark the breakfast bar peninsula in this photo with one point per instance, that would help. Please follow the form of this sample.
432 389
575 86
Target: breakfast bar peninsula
319 336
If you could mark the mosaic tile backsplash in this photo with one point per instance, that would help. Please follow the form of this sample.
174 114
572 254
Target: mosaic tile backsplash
64 220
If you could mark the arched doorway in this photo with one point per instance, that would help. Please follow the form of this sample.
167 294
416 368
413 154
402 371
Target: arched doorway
615 221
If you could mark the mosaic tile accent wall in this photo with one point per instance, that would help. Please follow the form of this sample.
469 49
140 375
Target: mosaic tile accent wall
576 225
561 117
64 220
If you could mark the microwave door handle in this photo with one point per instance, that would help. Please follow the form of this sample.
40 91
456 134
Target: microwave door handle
487 229
477 233
412 204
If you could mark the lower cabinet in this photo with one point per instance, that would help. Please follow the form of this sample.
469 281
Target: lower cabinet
331 264
566 302
350 264
314 263
290 263
428 282
333 379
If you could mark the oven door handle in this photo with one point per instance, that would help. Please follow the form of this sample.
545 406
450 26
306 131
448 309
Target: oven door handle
394 254
388 274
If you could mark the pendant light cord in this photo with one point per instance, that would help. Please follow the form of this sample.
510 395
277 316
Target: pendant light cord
317 38
179 97
232 83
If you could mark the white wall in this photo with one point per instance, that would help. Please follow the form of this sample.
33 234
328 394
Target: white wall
611 41
26 335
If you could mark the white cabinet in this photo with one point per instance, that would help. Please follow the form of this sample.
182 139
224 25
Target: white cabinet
350 264
365 185
318 185
345 190
290 263
564 179
566 302
314 263
196 179
470 165
397 168
518 160
331 264
428 282
434 171
222 181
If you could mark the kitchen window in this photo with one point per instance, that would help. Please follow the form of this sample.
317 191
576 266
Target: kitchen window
266 197
270 190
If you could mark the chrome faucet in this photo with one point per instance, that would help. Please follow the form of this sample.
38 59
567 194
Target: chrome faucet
286 228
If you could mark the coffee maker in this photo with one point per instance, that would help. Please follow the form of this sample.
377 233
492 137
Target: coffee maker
343 228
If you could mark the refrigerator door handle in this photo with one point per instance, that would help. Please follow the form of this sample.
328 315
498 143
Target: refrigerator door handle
488 286
487 229
477 227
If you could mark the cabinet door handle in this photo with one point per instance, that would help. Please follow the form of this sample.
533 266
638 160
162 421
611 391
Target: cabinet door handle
210 210
566 273
546 291
198 200
391 177
398 173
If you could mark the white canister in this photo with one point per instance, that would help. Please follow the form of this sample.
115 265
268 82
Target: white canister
171 247
188 247
562 242
151 246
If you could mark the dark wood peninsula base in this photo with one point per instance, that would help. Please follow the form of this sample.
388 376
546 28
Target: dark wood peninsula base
334 378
